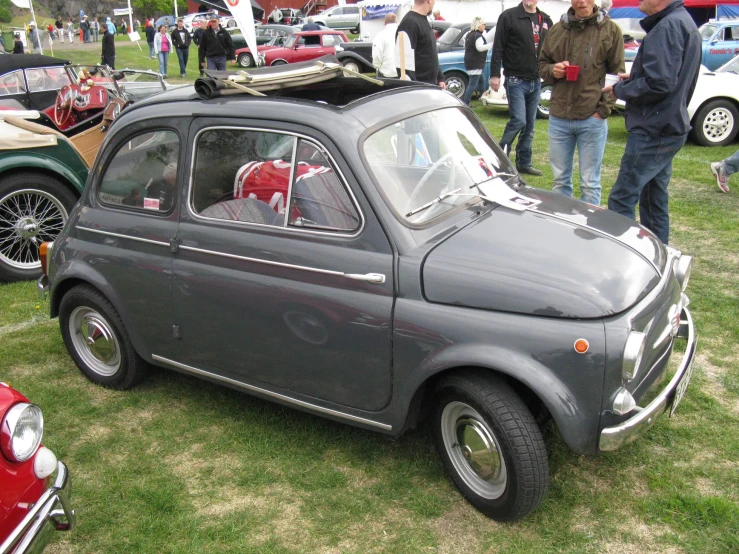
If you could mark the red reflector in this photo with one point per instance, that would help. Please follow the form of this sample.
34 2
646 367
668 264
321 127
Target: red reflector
581 346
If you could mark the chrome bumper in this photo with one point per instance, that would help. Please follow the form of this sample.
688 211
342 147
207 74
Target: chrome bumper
614 437
42 287
51 513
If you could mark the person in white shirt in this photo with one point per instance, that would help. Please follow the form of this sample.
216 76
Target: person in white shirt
476 46
383 48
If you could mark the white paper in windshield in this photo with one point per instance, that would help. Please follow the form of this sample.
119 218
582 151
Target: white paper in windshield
497 191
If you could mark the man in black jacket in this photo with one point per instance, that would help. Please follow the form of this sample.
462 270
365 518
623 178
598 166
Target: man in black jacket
216 45
150 34
181 40
518 38
657 94
108 57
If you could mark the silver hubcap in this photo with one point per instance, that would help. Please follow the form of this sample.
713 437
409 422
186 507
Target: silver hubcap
352 66
455 86
718 124
473 450
245 60
95 341
27 218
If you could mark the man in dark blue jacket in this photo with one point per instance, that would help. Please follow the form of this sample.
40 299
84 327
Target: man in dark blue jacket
657 94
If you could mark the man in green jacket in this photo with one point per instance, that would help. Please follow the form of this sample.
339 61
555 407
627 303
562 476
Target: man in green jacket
587 38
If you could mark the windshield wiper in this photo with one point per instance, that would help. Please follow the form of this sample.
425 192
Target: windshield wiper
434 201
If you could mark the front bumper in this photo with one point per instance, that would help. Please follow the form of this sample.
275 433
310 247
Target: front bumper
614 437
51 513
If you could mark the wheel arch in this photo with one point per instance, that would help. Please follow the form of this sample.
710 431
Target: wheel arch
729 99
73 274
361 60
538 386
30 164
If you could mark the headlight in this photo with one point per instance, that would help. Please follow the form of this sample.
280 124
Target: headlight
633 352
23 427
683 268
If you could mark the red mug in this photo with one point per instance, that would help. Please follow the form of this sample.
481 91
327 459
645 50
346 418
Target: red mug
571 72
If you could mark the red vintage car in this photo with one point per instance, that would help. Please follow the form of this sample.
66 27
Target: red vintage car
305 46
30 508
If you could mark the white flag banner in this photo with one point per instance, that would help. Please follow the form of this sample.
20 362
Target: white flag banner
22 3
241 10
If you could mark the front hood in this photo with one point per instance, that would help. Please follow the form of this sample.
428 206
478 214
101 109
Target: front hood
562 259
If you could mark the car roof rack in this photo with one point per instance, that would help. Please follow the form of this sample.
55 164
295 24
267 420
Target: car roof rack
260 80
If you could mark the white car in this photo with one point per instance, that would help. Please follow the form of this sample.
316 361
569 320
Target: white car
492 98
714 108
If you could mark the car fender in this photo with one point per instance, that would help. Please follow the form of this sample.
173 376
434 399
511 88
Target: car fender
345 55
47 164
580 432
81 272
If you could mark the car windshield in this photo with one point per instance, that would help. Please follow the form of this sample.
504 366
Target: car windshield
418 160
731 66
707 31
450 35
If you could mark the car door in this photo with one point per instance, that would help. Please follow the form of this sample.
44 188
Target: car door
333 19
283 277
130 222
309 48
724 46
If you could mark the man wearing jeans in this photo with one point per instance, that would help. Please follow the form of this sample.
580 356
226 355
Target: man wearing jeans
657 93
519 36
585 37
181 41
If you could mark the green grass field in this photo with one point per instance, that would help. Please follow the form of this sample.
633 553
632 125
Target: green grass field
181 465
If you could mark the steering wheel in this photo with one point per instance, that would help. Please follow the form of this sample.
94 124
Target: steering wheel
63 105
411 204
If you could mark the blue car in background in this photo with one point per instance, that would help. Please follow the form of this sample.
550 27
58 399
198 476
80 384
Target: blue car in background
720 42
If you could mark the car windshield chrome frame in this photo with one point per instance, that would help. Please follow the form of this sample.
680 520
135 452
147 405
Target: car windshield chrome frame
285 227
500 167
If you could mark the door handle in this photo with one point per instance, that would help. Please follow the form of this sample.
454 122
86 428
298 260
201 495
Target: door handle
369 277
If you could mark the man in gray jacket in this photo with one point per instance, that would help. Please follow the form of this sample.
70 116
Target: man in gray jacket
657 93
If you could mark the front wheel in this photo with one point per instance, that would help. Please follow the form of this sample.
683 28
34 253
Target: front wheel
97 340
490 445
716 123
231 23
245 60
33 209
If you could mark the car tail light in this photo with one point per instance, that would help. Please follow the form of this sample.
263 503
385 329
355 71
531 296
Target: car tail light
22 429
44 252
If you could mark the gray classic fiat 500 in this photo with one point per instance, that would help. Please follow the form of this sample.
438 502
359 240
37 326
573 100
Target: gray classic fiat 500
366 252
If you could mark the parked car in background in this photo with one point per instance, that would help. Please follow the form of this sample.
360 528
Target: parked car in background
720 42
439 27
365 253
453 38
31 507
245 57
345 17
265 33
291 16
166 20
356 56
194 21
303 46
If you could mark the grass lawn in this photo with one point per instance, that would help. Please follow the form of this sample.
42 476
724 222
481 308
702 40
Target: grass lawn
182 465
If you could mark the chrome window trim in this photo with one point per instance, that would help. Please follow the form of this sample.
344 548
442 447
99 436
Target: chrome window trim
122 236
298 230
284 398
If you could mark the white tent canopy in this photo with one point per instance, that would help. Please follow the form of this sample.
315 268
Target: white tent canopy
456 11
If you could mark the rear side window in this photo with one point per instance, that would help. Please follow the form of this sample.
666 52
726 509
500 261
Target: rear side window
264 178
142 175
12 83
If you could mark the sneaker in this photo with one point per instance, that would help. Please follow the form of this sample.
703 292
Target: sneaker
719 171
529 170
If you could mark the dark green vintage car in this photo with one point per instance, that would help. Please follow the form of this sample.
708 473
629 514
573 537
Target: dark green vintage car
42 175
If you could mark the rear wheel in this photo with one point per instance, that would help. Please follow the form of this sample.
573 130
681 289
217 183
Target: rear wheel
245 60
33 209
490 445
95 337
456 83
354 66
231 23
716 123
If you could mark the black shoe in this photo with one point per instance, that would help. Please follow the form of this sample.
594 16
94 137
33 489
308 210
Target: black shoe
529 170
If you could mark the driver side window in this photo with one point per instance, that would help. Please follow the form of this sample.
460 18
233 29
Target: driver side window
12 83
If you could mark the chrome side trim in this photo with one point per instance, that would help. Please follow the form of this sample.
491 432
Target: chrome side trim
599 232
122 236
369 277
657 290
614 437
288 399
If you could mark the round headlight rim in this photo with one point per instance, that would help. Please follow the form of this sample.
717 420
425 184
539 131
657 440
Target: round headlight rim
633 353
8 430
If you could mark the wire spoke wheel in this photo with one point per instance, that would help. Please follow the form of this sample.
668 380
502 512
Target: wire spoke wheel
28 217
